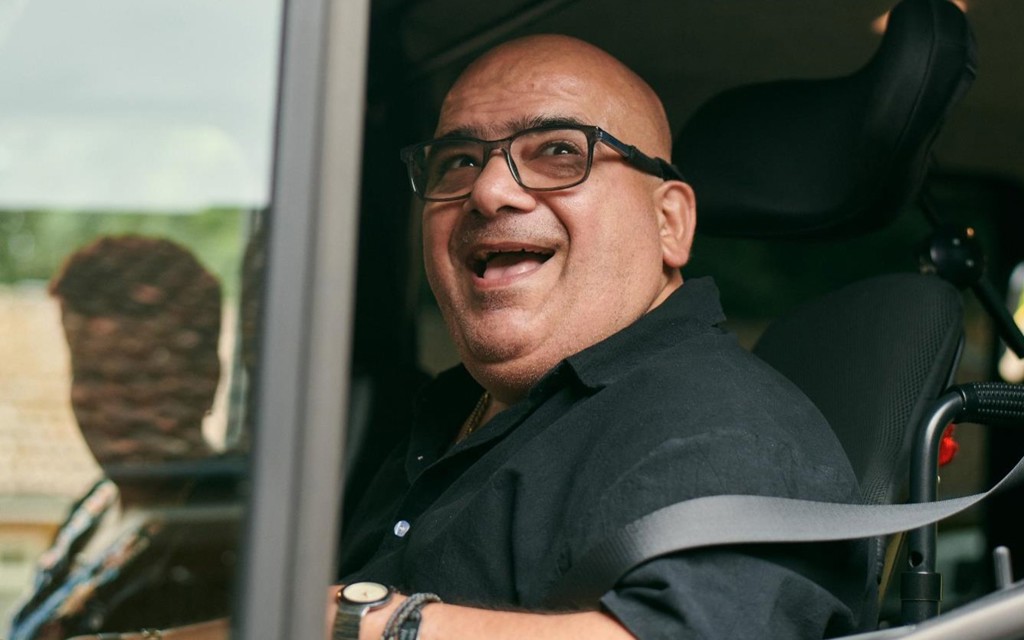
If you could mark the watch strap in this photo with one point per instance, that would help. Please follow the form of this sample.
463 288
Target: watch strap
346 625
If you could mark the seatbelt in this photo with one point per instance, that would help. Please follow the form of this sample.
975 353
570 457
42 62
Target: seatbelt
747 519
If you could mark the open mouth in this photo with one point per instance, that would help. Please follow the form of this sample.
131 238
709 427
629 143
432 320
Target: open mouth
494 265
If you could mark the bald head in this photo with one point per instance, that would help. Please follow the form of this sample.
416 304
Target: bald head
620 100
526 277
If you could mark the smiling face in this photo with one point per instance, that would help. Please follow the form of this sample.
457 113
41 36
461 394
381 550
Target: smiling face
527 278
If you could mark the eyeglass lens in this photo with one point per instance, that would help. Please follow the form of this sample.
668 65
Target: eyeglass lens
543 158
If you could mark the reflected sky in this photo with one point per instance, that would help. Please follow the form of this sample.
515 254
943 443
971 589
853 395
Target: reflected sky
118 104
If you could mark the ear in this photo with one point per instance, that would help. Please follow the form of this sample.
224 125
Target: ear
677 220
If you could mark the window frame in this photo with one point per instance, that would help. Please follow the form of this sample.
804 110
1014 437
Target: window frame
288 552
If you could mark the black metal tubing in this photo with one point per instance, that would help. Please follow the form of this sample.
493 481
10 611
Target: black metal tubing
987 403
920 584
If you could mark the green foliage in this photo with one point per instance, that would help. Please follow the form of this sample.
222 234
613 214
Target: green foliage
34 244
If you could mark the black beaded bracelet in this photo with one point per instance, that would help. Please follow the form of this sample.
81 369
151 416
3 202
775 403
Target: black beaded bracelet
410 629
404 623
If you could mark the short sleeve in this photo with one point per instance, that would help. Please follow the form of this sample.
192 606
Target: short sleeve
792 591
785 591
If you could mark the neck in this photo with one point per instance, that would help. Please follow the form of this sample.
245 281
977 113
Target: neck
133 497
150 492
673 280
494 407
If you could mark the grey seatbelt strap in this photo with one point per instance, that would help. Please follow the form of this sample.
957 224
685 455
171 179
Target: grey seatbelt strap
745 519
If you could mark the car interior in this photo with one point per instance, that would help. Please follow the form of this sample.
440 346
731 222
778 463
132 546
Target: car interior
836 158
859 171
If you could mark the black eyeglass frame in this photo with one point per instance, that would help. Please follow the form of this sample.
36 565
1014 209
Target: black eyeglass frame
634 157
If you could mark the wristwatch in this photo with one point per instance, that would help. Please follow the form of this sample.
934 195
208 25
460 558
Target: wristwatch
354 601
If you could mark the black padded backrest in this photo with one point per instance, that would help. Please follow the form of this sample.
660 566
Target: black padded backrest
815 158
872 356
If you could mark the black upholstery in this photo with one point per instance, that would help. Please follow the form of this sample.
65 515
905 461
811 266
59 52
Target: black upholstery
839 157
810 158
872 356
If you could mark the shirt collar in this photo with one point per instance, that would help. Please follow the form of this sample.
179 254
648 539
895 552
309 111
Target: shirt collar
691 310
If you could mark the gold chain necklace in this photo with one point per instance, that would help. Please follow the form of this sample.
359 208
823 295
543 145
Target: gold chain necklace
472 423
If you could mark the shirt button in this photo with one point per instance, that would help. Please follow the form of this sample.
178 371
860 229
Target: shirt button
402 528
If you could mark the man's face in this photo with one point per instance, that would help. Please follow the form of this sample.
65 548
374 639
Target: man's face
526 278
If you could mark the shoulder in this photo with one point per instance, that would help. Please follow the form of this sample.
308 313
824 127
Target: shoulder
708 385
707 417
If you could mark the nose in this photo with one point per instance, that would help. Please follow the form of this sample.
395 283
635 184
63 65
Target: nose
496 190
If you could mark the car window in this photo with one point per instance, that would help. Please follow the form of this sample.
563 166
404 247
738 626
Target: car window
135 169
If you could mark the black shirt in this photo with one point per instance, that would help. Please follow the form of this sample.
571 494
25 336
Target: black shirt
668 409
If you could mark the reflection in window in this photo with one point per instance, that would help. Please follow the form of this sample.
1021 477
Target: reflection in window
142 318
135 147
117 415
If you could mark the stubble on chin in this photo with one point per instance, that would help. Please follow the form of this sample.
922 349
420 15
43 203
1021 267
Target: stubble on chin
500 360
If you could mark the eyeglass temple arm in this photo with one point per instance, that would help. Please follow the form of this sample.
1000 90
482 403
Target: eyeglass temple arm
654 166
669 171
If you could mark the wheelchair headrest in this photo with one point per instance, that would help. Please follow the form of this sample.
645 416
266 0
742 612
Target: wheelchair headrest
832 157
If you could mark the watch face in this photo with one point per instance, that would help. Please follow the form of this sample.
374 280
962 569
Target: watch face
365 592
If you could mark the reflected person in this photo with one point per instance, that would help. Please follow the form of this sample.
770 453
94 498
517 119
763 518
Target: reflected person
142 321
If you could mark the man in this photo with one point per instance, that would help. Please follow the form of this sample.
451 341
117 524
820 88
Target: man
595 386
142 320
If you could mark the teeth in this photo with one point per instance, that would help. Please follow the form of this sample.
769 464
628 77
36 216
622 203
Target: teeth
481 258
487 255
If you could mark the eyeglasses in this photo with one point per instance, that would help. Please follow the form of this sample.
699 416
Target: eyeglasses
545 158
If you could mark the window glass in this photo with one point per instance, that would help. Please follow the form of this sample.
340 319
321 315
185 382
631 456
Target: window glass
135 162
1011 368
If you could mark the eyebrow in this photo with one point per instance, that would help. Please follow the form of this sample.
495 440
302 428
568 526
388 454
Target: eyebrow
517 124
